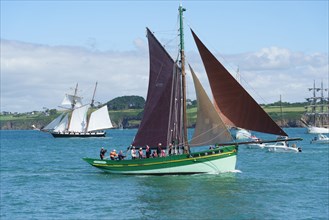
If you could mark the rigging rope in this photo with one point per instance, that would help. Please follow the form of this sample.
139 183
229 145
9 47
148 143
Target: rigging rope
203 143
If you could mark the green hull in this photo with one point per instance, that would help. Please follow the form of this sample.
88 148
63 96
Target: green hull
210 161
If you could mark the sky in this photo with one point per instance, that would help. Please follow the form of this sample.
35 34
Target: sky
47 47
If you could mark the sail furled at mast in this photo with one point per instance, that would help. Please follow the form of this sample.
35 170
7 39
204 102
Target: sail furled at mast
209 128
236 106
161 118
174 134
74 100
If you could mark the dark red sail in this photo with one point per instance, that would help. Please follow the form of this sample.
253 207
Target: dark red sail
161 118
235 104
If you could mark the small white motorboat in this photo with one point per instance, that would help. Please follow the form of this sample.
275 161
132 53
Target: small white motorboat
320 139
283 147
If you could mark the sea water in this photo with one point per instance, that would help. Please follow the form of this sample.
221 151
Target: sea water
46 178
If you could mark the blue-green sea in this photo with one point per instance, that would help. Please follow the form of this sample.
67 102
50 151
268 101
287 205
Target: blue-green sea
46 178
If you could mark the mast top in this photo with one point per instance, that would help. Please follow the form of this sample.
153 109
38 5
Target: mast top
93 99
181 32
74 101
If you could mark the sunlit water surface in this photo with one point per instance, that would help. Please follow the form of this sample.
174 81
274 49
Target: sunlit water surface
46 178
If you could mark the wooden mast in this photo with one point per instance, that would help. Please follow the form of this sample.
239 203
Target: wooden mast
72 105
181 34
281 113
93 99
74 97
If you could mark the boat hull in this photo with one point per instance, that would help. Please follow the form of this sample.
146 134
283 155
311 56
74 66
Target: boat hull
317 130
320 139
255 146
283 149
320 142
78 134
217 160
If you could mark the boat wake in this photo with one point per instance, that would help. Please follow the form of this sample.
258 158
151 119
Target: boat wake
236 171
223 173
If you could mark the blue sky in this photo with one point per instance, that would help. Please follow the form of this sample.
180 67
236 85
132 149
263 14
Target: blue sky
246 25
281 44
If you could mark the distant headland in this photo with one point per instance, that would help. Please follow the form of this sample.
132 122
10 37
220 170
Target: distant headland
127 112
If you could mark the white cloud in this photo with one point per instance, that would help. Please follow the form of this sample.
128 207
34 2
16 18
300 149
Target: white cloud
278 71
35 76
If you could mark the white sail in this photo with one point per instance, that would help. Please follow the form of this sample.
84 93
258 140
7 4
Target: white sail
78 121
100 120
209 128
71 99
54 123
62 126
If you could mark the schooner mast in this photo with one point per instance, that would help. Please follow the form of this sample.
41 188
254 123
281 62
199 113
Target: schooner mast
93 99
182 61
74 102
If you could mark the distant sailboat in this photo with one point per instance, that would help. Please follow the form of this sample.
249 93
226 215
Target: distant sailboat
317 111
164 119
75 122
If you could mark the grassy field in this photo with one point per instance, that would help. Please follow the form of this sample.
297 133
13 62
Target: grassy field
276 109
21 117
288 113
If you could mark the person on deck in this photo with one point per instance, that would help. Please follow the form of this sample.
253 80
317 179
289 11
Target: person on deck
133 153
121 156
170 150
102 153
148 151
163 153
159 149
140 153
154 154
113 154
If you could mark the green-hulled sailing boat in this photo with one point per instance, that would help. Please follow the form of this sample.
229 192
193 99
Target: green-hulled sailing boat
164 119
